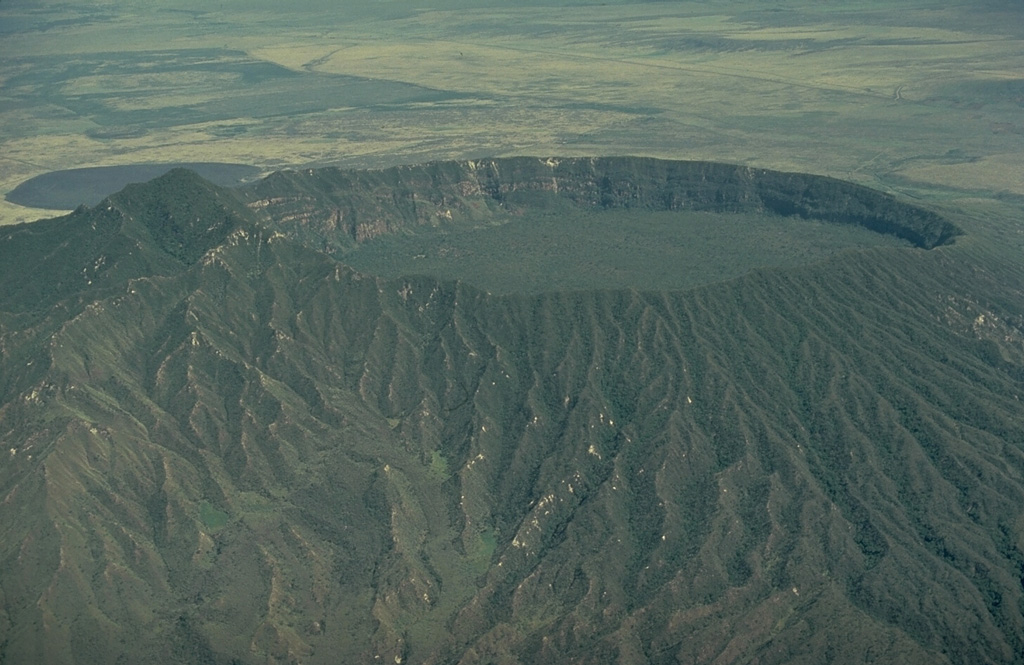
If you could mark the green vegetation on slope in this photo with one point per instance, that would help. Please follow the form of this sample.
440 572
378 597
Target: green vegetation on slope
258 454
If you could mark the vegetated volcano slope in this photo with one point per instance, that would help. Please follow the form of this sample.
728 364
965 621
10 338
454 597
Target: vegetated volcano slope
254 453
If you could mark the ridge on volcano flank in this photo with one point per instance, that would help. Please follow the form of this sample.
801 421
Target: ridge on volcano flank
185 214
147 229
222 445
530 224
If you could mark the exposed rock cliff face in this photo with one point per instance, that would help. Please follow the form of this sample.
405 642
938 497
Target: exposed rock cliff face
335 208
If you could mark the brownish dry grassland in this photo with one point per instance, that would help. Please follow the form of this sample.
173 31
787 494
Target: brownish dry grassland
904 99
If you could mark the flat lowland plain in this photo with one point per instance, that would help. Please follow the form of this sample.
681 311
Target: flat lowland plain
920 100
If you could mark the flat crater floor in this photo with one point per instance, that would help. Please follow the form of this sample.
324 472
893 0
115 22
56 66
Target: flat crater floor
610 249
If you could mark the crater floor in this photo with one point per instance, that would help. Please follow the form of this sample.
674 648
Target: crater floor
522 224
609 249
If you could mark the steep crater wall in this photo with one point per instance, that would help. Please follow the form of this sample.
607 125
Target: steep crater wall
336 209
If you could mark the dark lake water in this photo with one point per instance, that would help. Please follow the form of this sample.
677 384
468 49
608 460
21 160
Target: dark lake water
70 188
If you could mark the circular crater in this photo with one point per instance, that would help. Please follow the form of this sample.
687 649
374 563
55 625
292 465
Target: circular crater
529 225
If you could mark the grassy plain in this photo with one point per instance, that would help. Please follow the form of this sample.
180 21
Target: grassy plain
915 98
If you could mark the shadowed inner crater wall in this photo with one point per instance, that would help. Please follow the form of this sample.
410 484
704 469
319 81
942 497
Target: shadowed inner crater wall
528 224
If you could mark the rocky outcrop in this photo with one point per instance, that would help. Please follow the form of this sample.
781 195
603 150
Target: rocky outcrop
335 209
